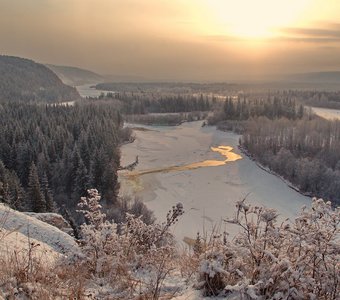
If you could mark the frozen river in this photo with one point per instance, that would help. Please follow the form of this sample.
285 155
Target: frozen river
327 113
208 191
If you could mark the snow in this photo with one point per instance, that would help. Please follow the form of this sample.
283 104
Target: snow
192 294
53 219
15 241
87 90
327 113
209 194
16 227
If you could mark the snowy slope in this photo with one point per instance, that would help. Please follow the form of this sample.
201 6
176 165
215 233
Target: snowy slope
21 225
16 242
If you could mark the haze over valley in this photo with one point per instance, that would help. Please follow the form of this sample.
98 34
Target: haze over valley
169 149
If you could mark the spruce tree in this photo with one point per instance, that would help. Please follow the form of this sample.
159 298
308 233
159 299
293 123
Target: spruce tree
16 192
3 184
50 205
35 196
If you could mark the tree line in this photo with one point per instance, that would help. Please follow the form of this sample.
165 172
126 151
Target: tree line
288 139
242 109
136 103
305 152
52 154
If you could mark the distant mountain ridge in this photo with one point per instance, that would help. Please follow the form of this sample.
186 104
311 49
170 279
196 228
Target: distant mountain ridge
75 76
25 80
315 77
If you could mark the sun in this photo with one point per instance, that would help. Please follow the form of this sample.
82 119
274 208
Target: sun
256 18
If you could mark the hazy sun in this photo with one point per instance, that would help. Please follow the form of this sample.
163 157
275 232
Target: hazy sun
256 18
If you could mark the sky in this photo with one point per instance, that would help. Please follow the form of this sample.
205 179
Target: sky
191 40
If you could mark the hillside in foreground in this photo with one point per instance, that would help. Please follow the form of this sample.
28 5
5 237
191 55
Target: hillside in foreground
25 80
266 260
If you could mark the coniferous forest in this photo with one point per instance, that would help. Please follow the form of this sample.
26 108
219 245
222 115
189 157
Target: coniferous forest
305 152
65 158
25 80
288 139
157 150
58 150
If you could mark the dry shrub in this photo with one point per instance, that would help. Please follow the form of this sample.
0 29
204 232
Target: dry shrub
132 261
28 274
269 261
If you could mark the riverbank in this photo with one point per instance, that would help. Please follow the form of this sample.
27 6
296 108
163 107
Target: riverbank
268 170
208 193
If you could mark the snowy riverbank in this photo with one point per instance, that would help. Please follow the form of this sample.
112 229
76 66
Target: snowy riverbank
207 193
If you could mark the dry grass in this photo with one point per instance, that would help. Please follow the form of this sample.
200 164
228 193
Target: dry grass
133 264
30 272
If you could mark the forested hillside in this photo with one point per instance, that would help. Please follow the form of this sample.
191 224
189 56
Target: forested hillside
75 76
24 80
54 153
140 103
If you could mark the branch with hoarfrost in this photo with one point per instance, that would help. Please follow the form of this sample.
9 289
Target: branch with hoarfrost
266 260
118 258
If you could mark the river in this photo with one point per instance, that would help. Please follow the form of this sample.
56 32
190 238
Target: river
327 113
203 169
88 90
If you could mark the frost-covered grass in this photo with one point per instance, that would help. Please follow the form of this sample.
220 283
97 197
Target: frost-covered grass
32 259
271 260
265 260
126 261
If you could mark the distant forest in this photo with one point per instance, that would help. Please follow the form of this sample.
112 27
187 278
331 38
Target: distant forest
305 152
168 87
134 103
327 99
24 80
287 138
232 114
50 154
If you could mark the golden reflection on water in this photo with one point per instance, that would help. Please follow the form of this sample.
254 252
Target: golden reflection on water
225 151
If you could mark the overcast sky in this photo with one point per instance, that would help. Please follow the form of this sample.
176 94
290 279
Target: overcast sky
176 39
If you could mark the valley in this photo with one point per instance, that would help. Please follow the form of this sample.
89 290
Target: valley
208 193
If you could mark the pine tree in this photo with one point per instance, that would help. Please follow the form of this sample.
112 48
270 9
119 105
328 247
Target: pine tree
3 184
50 205
10 188
4 194
35 196
16 192
81 181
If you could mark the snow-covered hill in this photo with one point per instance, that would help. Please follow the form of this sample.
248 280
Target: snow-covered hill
16 227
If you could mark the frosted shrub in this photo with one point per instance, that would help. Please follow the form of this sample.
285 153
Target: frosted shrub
99 237
138 257
266 260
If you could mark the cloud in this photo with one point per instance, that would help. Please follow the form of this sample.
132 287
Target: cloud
224 38
329 34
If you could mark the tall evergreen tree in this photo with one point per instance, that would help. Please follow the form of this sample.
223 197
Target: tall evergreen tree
45 189
35 196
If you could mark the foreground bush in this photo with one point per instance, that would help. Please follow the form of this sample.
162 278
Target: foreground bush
134 259
122 261
266 260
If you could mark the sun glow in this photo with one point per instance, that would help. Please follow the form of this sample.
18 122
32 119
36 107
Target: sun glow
256 18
